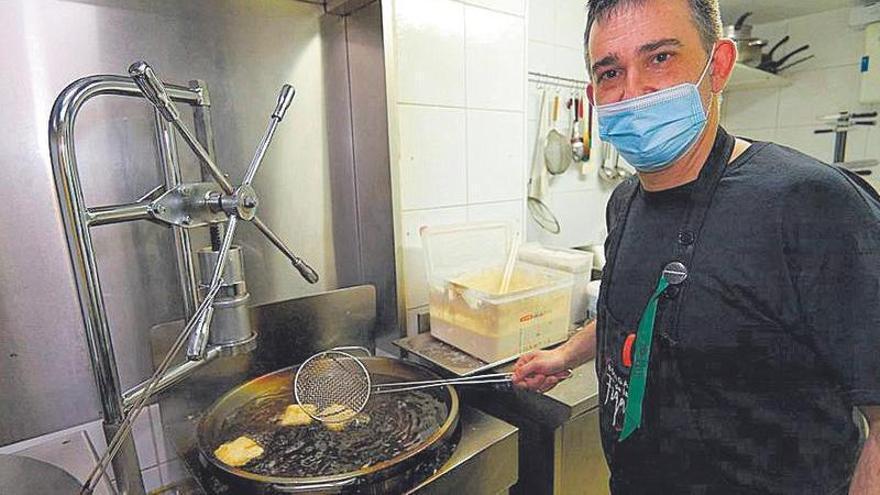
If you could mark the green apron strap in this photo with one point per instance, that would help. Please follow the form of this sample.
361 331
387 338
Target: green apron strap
639 374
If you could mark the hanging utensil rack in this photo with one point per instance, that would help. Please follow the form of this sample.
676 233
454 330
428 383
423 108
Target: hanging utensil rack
557 81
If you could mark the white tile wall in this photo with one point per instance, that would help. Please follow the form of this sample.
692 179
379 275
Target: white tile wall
152 479
172 472
495 156
495 46
502 211
581 215
571 20
517 7
432 164
461 118
825 85
570 63
542 21
143 440
164 449
542 57
556 47
429 38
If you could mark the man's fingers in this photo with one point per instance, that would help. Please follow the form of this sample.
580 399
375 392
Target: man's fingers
562 375
549 383
534 382
532 367
524 359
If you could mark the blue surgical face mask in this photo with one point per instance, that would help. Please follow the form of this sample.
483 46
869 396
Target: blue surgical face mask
652 131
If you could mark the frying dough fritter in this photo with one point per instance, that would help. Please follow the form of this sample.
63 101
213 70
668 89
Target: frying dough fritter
296 415
337 417
238 452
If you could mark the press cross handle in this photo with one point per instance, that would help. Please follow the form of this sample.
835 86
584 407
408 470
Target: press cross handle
154 91
301 266
284 100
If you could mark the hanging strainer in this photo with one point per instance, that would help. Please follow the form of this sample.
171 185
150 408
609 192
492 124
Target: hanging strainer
334 386
543 216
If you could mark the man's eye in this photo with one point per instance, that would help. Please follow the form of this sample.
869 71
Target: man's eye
608 74
661 57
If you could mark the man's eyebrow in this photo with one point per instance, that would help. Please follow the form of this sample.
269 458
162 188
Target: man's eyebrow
608 60
667 42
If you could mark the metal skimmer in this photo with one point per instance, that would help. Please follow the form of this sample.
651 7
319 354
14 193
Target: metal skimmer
334 386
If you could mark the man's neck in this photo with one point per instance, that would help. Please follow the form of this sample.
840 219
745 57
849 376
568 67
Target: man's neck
687 168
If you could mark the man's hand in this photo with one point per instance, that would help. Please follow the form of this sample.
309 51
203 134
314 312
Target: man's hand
540 371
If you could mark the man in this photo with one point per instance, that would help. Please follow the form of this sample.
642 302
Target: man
740 304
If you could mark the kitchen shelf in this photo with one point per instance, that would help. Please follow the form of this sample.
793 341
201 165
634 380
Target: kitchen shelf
746 77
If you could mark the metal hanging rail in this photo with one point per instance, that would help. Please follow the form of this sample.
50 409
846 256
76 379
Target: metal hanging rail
559 81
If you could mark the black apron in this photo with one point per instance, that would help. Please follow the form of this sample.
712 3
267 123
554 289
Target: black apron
668 427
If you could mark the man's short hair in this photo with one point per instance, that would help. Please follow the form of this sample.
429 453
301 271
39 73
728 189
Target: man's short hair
705 13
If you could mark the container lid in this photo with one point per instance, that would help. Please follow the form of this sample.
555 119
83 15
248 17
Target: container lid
454 249
568 260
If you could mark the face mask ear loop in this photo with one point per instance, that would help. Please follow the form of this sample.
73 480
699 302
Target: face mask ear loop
703 76
706 68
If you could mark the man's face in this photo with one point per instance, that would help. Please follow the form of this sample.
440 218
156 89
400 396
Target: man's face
645 47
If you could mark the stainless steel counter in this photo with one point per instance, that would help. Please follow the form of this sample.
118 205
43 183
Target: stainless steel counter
484 462
560 447
569 399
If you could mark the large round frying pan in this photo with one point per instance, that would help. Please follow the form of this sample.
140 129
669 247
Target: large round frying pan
387 476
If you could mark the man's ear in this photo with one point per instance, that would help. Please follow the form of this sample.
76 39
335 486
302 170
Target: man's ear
590 94
723 63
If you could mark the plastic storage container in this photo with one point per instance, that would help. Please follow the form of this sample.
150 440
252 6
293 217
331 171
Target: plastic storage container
465 264
575 262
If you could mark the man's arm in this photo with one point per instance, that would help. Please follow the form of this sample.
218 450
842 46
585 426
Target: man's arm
581 347
542 370
866 480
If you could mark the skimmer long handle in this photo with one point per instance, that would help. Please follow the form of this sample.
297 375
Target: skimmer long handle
470 380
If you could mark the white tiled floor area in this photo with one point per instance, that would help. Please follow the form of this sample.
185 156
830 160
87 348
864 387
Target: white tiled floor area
76 450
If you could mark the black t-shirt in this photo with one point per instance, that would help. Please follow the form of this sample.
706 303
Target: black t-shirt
751 385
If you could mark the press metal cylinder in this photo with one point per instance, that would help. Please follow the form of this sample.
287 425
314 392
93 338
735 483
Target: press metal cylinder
231 323
233 272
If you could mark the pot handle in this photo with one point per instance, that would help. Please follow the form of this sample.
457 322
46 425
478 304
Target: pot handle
332 487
